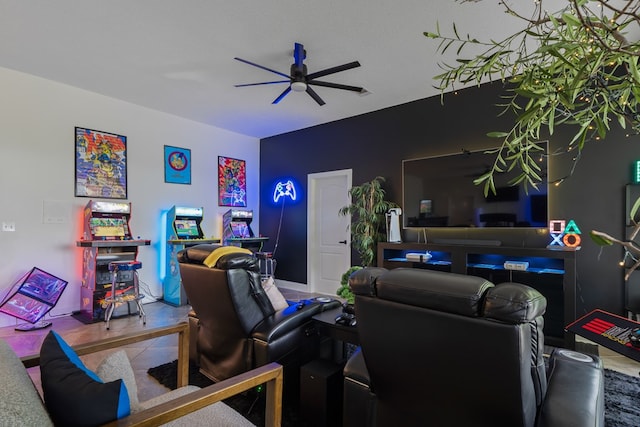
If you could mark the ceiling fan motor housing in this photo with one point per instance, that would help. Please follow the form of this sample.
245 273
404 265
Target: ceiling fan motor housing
298 74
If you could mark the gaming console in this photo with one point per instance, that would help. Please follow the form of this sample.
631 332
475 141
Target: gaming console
516 265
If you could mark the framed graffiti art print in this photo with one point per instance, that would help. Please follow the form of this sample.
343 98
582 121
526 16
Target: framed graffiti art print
101 164
232 182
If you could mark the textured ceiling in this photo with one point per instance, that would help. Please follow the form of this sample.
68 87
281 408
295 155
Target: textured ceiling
177 56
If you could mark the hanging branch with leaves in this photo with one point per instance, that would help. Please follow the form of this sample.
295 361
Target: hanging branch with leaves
631 259
570 67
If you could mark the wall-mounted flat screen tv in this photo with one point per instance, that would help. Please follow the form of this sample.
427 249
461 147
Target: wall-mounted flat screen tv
439 192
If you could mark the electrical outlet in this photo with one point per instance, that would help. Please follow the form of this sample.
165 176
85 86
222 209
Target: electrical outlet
8 226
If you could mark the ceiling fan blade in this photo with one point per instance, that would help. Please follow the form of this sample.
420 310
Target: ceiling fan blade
262 67
263 83
315 96
333 70
282 95
335 85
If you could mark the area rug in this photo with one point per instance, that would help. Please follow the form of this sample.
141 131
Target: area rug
621 399
621 393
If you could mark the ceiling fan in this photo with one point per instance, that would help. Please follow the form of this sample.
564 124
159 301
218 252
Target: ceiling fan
300 81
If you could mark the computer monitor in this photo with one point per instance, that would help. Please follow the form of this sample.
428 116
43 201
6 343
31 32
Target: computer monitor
186 228
107 227
240 230
31 297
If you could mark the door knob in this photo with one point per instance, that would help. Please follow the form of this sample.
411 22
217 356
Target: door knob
344 242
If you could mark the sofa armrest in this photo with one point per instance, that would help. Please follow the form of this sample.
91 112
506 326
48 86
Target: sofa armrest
575 392
270 374
182 329
282 322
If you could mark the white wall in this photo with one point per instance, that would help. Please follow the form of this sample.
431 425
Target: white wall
37 120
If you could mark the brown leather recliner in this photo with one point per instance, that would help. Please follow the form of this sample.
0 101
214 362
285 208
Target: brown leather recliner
443 349
234 327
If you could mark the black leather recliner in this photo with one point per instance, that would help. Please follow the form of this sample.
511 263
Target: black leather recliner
443 349
233 325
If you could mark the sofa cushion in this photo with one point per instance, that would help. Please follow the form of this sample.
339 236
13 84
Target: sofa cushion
20 403
214 258
73 395
278 300
238 261
514 303
437 290
216 414
117 366
196 254
362 282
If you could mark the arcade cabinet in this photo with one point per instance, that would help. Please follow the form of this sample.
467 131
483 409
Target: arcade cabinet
106 238
182 230
236 230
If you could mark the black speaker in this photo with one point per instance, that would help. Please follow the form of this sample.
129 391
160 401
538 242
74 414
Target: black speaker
321 393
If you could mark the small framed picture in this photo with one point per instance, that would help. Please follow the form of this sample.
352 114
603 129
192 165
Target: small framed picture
177 165
426 207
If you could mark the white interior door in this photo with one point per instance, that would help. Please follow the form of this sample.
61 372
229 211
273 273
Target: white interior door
328 239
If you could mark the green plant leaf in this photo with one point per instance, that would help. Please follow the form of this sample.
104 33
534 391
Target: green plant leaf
572 66
599 240
634 211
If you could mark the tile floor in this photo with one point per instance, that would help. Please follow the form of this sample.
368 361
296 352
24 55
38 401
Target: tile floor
162 350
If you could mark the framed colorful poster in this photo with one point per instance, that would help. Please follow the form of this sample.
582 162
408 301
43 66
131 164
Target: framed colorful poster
232 182
177 165
101 164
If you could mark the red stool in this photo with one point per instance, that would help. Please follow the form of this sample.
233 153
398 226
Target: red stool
115 299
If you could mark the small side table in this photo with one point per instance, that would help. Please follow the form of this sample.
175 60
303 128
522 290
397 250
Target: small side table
608 330
116 298
326 323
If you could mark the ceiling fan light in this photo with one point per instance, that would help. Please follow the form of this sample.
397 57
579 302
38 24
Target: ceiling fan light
298 86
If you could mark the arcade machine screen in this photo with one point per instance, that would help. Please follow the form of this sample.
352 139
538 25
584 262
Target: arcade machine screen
240 230
186 228
33 296
107 227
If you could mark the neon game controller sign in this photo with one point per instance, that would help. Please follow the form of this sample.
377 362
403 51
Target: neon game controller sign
284 190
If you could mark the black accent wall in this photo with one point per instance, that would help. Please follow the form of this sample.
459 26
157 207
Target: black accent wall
376 143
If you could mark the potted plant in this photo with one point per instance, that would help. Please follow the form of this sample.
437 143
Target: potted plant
368 211
344 291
